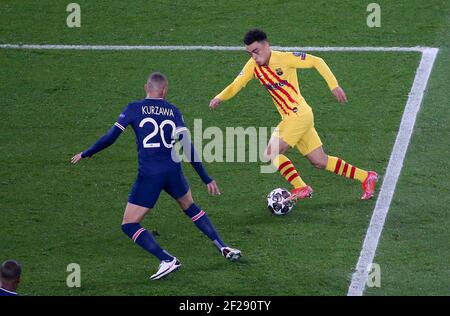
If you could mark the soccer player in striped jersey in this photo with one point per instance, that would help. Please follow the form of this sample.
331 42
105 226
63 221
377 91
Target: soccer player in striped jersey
277 72
157 125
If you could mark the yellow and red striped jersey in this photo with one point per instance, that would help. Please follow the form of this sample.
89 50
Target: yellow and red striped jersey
280 79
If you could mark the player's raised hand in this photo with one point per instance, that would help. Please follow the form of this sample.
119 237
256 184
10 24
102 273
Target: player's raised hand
339 93
214 103
76 158
213 188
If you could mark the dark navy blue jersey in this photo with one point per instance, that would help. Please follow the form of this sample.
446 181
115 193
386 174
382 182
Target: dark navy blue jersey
4 292
156 123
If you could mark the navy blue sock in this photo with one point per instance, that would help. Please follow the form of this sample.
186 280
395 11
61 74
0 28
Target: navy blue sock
203 223
144 239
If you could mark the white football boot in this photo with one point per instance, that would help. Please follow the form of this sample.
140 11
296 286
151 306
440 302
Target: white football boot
165 268
231 253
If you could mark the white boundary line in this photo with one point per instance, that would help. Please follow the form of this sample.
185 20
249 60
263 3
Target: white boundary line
395 165
396 159
214 48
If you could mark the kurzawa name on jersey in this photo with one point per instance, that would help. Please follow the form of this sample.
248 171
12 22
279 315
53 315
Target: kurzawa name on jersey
156 110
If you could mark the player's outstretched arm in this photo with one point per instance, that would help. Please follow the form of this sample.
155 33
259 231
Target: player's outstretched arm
339 93
76 158
231 90
213 188
303 60
103 142
214 103
190 153
320 65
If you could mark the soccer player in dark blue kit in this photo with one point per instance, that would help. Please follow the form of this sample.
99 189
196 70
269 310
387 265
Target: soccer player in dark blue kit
157 125
10 272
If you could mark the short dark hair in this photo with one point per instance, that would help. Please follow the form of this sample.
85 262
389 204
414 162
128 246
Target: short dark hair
254 35
157 77
10 270
157 81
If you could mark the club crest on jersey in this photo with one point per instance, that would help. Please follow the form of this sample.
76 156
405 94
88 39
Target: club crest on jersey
302 55
279 71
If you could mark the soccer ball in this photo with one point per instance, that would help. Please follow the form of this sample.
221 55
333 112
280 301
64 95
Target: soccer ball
277 202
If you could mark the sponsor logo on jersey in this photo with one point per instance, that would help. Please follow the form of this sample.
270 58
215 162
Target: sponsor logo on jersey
302 55
276 85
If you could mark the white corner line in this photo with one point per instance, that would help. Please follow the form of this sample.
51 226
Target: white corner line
360 276
212 48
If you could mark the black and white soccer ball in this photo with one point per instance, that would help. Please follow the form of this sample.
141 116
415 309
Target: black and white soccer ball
277 202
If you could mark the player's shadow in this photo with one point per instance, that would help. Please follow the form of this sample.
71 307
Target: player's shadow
307 212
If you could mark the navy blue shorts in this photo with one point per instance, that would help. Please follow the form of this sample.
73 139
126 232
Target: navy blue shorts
145 191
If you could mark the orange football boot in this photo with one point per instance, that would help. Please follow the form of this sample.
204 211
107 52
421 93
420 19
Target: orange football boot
300 193
368 185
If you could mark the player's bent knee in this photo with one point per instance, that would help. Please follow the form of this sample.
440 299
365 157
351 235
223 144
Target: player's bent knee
185 205
134 213
269 154
185 201
319 164
266 154
129 220
267 157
